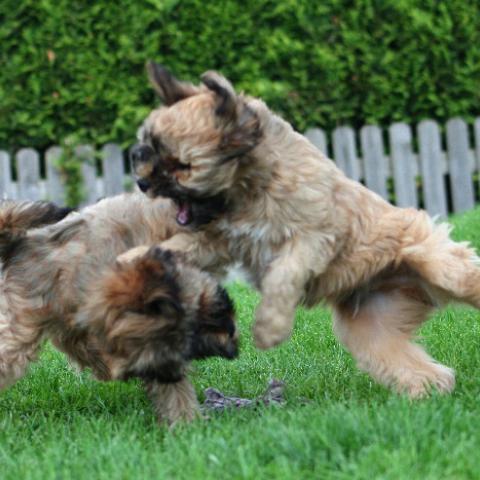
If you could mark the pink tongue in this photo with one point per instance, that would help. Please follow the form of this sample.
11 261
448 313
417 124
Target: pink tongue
183 215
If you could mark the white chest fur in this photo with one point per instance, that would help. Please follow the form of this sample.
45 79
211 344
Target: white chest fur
254 244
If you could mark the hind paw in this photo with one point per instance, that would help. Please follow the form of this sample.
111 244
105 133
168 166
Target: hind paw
418 384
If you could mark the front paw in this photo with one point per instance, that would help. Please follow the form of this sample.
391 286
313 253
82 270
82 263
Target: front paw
174 419
133 254
269 335
174 403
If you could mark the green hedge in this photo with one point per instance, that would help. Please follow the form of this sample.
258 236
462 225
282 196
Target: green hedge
77 67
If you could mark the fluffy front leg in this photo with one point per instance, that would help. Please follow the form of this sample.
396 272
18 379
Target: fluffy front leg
174 402
192 247
19 344
282 289
200 251
133 253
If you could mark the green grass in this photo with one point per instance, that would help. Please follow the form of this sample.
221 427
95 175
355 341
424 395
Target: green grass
337 423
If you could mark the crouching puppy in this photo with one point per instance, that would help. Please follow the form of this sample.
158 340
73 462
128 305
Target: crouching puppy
301 228
150 317
147 317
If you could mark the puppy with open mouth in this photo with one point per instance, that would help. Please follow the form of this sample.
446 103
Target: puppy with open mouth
147 316
255 191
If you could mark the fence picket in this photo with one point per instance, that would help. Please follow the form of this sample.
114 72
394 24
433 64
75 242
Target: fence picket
400 136
6 185
86 154
318 137
345 152
459 162
55 186
373 159
430 158
113 169
476 132
28 172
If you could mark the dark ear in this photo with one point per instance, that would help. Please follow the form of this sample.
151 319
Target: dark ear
226 105
240 123
166 257
170 89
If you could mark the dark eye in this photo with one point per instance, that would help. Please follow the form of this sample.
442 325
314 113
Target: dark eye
156 144
183 166
157 306
228 329
163 306
175 164
211 329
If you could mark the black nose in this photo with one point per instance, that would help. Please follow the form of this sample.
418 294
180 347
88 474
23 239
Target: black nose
140 153
232 350
143 185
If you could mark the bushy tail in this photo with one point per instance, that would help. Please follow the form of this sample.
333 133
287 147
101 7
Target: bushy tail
453 268
18 217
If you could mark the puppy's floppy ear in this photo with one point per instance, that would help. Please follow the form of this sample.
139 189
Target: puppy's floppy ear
166 257
169 88
240 123
226 98
139 271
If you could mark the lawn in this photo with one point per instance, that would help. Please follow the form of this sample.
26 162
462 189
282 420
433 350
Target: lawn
337 423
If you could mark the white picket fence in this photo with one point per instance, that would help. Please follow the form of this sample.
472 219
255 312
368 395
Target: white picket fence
30 185
437 179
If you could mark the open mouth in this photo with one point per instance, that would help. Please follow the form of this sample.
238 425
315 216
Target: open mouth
184 214
198 210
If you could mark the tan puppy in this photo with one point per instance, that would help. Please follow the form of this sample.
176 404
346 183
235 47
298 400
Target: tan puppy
147 317
302 229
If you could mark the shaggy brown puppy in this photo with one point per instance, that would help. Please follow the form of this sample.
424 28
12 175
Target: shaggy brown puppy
303 230
147 317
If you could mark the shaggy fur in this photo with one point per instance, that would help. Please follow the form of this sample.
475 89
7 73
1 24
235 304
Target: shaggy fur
144 317
302 229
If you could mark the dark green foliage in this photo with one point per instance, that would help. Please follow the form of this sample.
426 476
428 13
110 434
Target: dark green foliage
77 67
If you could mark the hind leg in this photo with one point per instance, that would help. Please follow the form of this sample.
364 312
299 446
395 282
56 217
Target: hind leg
378 334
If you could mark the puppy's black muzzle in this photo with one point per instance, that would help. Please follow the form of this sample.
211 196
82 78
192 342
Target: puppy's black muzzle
231 350
212 344
143 185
